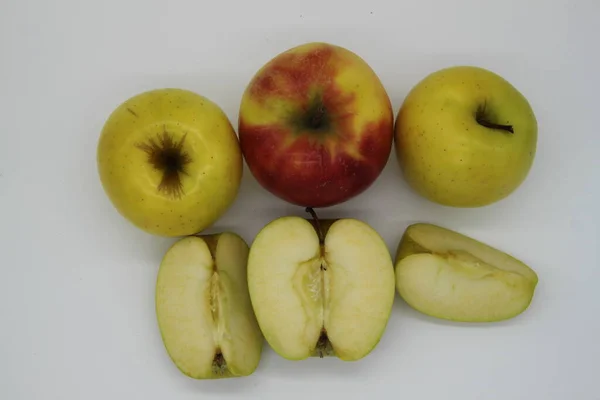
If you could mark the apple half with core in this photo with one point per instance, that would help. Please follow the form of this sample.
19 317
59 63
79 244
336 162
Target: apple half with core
316 125
203 308
448 275
465 137
321 288
169 161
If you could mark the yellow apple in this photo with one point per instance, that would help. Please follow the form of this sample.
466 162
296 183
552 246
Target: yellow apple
465 137
169 161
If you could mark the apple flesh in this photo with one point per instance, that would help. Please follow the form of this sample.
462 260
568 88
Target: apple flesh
448 275
322 288
203 308
169 161
465 137
316 125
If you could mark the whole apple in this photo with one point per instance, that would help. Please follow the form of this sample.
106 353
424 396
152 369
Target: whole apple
316 125
169 161
465 137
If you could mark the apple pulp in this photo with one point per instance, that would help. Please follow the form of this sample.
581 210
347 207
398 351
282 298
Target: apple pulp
326 294
448 275
316 125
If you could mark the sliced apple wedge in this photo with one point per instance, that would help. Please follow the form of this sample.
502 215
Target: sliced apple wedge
448 275
321 288
203 308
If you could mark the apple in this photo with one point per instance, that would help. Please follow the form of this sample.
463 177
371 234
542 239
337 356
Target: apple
169 161
203 308
321 288
445 274
465 137
316 125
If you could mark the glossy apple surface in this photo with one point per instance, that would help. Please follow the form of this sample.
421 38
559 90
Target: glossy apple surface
316 125
465 137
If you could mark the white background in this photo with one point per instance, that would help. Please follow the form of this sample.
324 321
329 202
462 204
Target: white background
77 303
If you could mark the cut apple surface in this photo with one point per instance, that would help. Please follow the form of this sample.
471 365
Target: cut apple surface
203 307
448 275
322 288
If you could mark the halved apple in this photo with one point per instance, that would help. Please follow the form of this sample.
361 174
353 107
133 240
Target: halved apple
448 275
321 288
203 308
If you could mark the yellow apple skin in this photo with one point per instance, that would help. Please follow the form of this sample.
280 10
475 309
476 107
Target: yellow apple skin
199 131
446 155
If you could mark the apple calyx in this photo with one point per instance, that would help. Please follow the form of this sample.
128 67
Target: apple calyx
313 118
316 116
323 347
219 365
167 156
483 118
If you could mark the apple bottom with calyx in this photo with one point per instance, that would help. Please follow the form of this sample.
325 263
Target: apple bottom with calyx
203 308
448 275
316 125
169 161
321 288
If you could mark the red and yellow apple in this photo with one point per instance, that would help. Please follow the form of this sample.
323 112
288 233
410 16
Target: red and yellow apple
316 125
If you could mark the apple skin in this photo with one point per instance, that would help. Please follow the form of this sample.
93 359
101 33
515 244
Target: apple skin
446 155
190 127
316 125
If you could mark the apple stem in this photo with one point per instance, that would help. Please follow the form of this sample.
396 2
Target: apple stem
317 223
482 117
492 125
